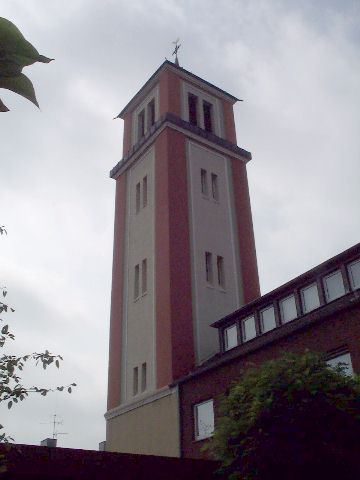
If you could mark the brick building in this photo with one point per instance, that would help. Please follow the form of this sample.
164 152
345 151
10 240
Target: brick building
186 310
318 311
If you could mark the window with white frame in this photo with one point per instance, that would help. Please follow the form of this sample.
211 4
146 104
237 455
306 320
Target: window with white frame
204 419
248 328
267 319
209 268
345 360
333 286
230 337
310 298
354 274
288 309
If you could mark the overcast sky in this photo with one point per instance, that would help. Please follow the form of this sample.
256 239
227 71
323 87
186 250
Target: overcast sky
297 67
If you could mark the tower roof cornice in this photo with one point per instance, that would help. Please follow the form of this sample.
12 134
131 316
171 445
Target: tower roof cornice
185 74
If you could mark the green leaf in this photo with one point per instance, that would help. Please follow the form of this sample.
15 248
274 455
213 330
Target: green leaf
15 49
20 85
10 405
57 364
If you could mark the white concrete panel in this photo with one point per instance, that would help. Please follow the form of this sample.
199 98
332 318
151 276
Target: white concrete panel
212 230
139 325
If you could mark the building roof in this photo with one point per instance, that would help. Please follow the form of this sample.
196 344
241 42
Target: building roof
186 73
327 309
298 281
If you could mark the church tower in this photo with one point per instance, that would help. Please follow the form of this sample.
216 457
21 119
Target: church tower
184 251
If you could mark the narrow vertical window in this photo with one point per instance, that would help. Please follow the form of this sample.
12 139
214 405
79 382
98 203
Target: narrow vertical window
192 102
208 266
207 109
136 282
204 182
220 271
151 113
137 198
141 124
135 380
143 377
144 276
144 185
214 186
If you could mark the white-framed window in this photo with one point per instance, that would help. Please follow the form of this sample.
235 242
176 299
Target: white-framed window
354 274
220 271
333 286
214 187
288 309
267 319
143 377
209 268
135 381
204 182
230 337
310 298
248 328
345 359
204 419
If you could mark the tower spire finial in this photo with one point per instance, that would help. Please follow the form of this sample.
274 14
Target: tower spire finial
176 50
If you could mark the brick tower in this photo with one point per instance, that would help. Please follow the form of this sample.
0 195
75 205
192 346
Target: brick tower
184 251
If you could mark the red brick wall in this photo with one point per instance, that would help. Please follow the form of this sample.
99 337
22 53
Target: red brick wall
331 333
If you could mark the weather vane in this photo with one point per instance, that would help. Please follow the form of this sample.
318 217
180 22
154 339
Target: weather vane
177 46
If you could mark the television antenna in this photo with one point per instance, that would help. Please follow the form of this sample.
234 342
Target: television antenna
55 422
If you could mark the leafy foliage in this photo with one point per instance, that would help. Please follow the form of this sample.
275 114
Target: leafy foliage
12 390
291 418
15 54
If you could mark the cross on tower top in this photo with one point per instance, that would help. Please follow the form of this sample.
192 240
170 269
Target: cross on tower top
177 46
